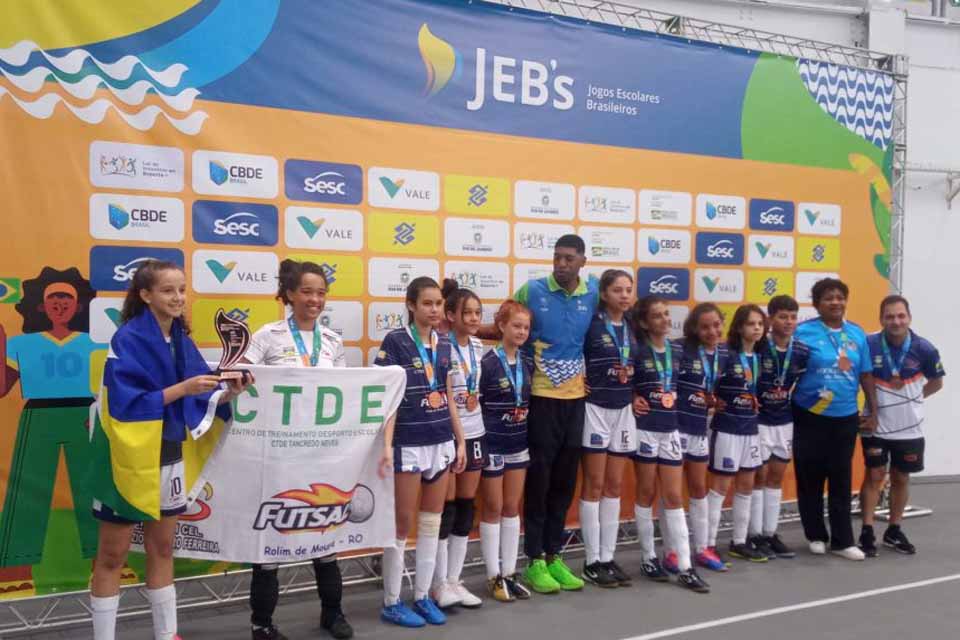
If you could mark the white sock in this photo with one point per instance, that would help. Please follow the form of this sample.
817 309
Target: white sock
456 554
699 523
490 545
771 510
756 513
163 605
104 616
715 506
664 529
609 527
644 516
393 573
590 529
440 570
741 517
509 544
428 538
680 537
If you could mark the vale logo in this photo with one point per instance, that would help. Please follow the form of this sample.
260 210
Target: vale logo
114 315
310 227
711 283
219 270
390 186
811 216
763 248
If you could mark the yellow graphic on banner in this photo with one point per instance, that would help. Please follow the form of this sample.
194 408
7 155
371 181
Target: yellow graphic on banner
818 253
763 285
344 273
404 233
98 360
727 310
255 312
476 195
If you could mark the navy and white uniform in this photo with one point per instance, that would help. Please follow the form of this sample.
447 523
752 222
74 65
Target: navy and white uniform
504 421
775 422
734 445
471 421
693 416
423 436
609 425
658 439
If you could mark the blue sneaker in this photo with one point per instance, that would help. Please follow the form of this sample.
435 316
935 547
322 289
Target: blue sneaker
401 615
429 611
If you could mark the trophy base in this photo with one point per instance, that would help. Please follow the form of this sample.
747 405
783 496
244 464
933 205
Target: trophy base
233 374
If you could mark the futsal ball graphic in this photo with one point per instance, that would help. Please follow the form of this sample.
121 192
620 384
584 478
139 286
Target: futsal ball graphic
361 505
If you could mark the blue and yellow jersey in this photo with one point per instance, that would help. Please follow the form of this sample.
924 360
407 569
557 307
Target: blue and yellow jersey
51 368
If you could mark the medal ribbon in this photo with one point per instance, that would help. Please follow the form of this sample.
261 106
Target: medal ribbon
753 367
471 373
664 372
311 359
429 364
895 365
709 370
781 373
623 345
841 347
517 381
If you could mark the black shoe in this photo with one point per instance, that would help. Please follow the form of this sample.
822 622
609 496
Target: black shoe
778 547
691 580
868 542
516 587
621 576
267 633
746 551
894 538
761 546
338 627
651 568
599 575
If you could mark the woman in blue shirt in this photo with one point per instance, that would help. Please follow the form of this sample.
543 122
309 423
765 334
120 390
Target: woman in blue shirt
826 418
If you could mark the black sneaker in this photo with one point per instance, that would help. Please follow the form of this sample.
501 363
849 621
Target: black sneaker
623 579
516 587
338 627
599 575
651 568
691 580
868 542
267 633
760 545
894 538
778 547
746 551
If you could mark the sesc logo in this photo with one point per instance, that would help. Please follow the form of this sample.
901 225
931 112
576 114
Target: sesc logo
136 218
234 223
323 181
719 248
772 215
112 268
672 284
235 174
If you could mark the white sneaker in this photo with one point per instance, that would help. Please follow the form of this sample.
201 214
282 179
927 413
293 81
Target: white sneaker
467 599
818 547
850 553
445 595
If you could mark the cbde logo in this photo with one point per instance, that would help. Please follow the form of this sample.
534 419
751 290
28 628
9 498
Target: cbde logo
719 248
772 215
671 284
234 223
112 268
323 181
136 218
235 174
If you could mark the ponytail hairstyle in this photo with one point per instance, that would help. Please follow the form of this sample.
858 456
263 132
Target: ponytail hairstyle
640 311
413 293
507 310
454 297
145 278
690 325
291 273
740 318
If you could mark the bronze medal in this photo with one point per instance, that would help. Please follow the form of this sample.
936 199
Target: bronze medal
472 402
897 382
844 363
667 400
623 376
435 400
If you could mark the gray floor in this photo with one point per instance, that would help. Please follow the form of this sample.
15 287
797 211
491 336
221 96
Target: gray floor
924 612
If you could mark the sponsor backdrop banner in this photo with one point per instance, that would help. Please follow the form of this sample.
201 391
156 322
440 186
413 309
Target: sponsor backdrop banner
383 140
295 476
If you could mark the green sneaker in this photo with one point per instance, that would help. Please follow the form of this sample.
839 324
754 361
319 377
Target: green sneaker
538 577
564 577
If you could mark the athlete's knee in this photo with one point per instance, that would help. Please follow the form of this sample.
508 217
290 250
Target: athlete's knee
111 558
877 476
612 489
446 519
404 523
645 495
672 499
158 547
510 510
463 519
899 479
592 487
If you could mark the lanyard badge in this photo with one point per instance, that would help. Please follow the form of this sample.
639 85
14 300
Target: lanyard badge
624 371
781 373
665 373
843 360
434 398
308 359
470 375
896 366
516 380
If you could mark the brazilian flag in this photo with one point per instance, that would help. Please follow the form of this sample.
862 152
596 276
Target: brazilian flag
10 290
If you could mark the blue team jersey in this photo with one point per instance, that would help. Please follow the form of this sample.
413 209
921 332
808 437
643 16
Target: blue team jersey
51 368
647 383
692 388
774 393
739 415
901 412
506 428
418 424
603 362
824 388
